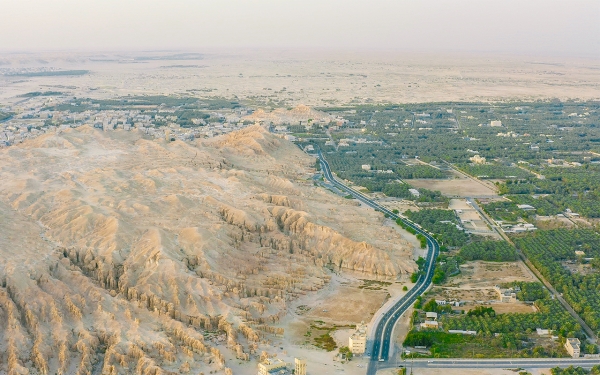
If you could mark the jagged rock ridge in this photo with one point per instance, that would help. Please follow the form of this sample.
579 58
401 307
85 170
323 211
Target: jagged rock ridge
130 255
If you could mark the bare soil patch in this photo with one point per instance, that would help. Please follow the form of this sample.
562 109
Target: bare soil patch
553 222
501 308
403 327
483 274
348 305
582 269
475 285
394 203
470 215
459 204
463 187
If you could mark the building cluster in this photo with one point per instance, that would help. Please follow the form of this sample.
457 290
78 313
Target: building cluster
454 303
431 320
346 142
516 228
562 163
35 118
508 134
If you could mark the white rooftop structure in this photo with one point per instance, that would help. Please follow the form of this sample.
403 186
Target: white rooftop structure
414 192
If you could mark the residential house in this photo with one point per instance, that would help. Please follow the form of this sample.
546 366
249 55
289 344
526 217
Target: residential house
573 346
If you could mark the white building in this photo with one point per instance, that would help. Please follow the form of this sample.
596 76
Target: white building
430 324
543 332
300 366
526 207
357 342
476 159
461 332
495 123
431 315
366 167
414 192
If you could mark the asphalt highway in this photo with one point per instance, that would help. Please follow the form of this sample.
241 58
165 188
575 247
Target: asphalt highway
382 343
508 363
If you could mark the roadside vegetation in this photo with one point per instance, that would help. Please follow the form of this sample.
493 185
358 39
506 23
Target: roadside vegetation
551 315
443 224
571 370
496 335
452 345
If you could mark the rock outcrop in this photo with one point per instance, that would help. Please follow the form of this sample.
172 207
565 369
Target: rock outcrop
147 257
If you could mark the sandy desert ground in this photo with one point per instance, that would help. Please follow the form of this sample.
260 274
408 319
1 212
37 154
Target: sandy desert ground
121 254
315 78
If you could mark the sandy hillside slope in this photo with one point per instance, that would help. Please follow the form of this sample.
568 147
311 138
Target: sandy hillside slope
122 255
291 116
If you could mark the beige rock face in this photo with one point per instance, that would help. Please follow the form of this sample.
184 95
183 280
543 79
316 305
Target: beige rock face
126 255
282 115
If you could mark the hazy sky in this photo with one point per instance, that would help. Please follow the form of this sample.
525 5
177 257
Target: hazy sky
555 27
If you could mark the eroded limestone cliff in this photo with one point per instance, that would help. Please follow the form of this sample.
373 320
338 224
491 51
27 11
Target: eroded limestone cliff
130 255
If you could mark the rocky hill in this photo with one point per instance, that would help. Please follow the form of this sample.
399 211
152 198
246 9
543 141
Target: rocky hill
122 255
288 116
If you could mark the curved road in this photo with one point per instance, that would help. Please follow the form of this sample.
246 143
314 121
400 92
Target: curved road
380 349
383 330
